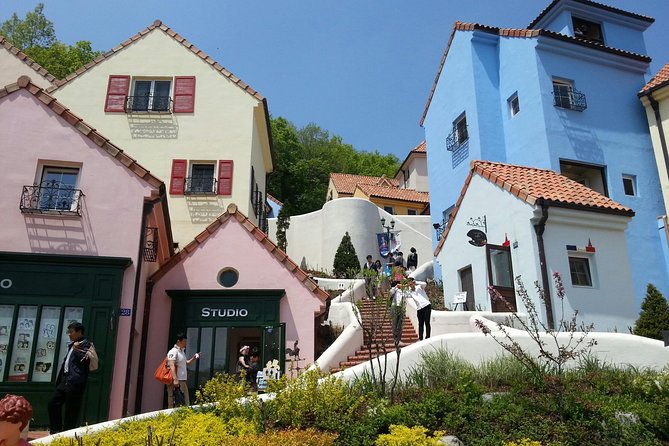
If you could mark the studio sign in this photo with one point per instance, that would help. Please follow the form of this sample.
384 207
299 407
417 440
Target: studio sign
224 312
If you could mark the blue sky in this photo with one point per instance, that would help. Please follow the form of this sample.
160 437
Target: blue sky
361 69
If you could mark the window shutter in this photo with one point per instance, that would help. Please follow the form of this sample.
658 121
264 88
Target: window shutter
184 94
225 168
117 92
178 177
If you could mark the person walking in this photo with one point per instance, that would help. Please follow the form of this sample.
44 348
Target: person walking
412 260
178 364
397 302
370 273
423 306
70 382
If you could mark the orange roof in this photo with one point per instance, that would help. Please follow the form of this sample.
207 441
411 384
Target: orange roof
394 193
597 5
26 60
85 129
522 33
345 183
271 198
659 80
534 185
419 149
167 30
279 255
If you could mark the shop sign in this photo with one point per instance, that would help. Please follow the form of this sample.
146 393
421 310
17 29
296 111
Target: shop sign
224 312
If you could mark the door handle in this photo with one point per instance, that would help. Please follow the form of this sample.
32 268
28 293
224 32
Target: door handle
111 321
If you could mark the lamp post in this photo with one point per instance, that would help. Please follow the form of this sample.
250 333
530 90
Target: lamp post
388 229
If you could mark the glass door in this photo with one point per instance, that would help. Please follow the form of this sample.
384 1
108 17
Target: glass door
274 345
500 276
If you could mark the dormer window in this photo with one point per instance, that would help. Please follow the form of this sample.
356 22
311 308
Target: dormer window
585 29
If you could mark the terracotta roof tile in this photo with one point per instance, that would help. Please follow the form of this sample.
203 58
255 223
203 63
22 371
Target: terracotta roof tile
597 5
82 127
531 184
159 25
522 33
345 183
258 234
395 193
419 149
23 57
659 80
272 198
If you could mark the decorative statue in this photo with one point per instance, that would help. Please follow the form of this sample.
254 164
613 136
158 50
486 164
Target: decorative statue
15 413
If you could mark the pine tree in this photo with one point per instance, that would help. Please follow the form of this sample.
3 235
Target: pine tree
346 263
654 315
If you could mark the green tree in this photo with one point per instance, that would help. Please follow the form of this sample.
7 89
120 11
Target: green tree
346 263
36 37
654 315
305 158
282 224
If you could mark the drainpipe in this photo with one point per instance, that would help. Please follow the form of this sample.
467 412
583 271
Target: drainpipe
658 120
539 229
143 346
148 206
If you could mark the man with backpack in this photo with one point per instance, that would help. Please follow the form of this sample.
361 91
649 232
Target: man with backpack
71 381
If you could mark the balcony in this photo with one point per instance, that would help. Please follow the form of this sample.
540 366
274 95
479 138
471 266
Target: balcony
148 103
571 100
51 197
200 186
457 138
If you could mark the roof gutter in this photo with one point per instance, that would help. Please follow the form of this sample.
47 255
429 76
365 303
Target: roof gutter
539 229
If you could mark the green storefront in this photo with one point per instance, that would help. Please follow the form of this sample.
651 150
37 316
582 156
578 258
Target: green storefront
40 294
219 322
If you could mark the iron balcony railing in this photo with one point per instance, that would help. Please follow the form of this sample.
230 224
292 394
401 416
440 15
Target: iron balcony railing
200 185
571 100
150 253
148 103
51 197
457 138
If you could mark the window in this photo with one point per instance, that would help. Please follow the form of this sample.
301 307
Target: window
459 135
389 209
412 212
150 95
588 175
585 29
565 96
514 104
202 179
55 191
629 185
579 268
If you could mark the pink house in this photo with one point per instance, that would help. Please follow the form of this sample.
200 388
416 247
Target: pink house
83 225
229 287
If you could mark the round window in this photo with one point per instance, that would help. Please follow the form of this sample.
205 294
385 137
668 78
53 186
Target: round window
228 277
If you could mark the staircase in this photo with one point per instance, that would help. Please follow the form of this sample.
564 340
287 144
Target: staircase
375 313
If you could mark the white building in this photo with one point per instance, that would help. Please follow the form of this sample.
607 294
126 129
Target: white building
533 223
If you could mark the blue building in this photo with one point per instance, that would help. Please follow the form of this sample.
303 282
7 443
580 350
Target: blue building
562 95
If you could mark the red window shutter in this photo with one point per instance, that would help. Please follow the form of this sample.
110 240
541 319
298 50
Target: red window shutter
184 94
117 92
178 177
225 168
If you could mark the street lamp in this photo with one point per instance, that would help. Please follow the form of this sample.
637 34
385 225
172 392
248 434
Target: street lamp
388 229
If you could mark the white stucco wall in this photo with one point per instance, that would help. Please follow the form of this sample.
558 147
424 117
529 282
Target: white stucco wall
609 303
313 238
226 125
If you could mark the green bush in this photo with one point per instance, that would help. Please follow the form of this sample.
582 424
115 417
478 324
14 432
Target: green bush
408 436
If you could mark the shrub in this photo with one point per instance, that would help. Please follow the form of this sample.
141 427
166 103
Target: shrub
346 263
654 315
408 436
523 442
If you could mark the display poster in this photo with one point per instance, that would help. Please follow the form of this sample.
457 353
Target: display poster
72 314
45 350
6 320
460 298
24 336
